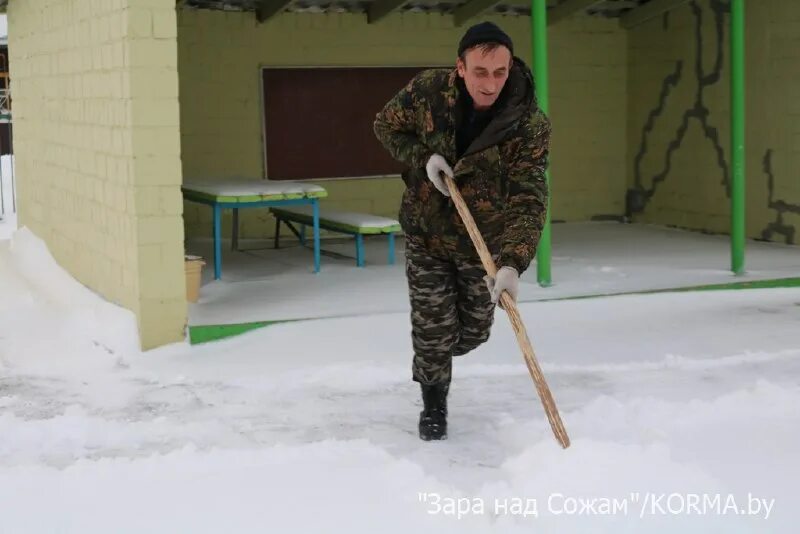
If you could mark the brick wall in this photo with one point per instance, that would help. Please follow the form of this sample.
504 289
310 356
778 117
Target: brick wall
96 138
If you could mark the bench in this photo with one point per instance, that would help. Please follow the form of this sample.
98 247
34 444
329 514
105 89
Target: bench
240 193
355 224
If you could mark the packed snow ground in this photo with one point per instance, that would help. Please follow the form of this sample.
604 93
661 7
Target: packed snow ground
311 426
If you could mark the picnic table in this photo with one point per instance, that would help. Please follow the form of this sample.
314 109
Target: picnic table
242 193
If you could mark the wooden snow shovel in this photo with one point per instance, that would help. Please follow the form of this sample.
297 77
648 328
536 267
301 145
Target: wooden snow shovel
513 313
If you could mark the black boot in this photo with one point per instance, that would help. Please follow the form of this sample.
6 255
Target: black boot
433 419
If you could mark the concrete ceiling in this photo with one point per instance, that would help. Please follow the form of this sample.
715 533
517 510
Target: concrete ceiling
629 12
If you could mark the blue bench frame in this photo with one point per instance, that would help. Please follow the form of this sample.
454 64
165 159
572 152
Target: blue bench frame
281 217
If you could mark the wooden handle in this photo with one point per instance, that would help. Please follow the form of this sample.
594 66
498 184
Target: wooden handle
513 314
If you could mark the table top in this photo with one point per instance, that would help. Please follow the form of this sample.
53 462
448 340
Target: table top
251 190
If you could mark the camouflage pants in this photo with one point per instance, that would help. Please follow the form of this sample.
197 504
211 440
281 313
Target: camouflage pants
451 312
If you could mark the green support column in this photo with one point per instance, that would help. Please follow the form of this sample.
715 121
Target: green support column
539 37
737 137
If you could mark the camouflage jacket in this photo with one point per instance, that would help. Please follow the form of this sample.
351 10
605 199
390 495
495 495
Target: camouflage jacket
501 174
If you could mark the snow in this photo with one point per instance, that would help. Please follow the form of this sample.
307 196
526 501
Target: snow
235 187
588 259
8 215
311 426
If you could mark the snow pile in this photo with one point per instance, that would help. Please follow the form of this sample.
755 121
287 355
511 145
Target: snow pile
51 325
682 410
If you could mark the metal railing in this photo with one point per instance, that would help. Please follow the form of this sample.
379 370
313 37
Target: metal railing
5 101
8 201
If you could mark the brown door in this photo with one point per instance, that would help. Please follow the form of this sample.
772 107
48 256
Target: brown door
318 122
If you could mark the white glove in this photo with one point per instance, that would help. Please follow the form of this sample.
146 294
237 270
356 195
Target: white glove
507 280
435 165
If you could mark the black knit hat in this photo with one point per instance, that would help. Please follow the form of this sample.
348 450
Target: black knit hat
484 32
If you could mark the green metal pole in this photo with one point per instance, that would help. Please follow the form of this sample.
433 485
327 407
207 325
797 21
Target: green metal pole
539 37
737 137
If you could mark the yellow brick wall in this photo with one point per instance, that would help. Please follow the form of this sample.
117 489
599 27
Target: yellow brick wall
679 117
220 54
96 138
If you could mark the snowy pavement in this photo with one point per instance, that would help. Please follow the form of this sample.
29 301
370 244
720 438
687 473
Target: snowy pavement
598 258
310 426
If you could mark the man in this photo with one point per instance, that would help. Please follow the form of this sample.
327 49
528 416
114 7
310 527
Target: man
478 123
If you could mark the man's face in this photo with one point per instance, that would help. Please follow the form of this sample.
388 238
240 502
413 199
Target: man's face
485 74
